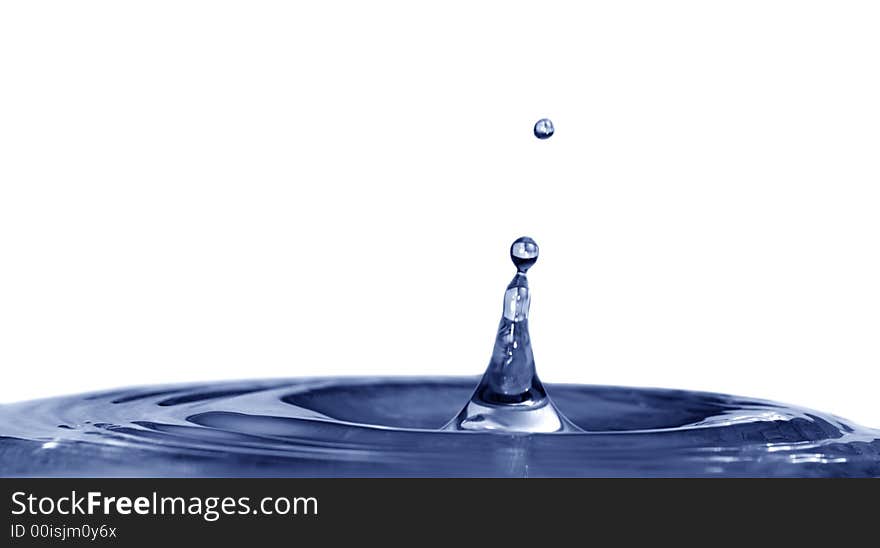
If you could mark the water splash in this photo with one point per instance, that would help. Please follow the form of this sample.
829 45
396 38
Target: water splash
510 397
400 426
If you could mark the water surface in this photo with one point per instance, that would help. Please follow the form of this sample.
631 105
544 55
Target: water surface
394 427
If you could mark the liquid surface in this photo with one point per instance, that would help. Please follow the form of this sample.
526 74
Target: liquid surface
393 427
508 426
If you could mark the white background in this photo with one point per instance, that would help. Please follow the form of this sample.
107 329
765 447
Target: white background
211 190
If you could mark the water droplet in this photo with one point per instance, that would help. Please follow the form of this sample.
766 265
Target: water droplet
544 128
524 253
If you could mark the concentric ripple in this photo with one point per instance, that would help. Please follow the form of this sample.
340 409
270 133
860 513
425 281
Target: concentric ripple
394 427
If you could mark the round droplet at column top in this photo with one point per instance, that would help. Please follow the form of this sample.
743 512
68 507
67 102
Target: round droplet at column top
524 253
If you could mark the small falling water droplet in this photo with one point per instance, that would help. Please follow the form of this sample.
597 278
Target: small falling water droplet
544 128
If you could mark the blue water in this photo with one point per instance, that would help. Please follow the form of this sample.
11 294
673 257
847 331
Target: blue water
502 424
544 129
393 427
